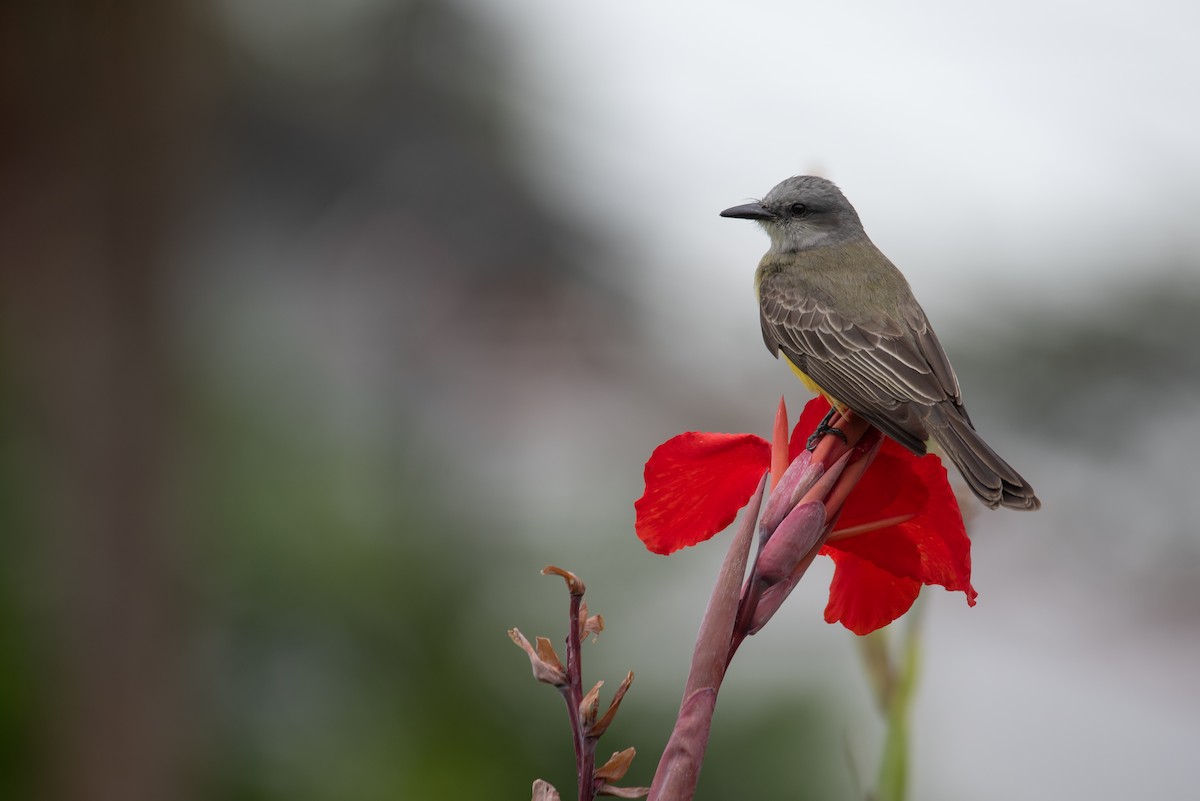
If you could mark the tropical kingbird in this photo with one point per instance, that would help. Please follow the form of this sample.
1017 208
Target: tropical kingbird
846 321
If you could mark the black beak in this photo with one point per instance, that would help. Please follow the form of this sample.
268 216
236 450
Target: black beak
750 211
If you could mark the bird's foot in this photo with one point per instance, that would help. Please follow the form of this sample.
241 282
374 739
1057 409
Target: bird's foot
823 429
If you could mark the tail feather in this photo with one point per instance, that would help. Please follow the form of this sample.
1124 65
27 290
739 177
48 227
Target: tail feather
989 477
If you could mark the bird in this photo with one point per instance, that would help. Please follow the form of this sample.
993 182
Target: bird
846 321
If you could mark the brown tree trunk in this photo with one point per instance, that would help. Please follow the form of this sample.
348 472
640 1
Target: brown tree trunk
100 106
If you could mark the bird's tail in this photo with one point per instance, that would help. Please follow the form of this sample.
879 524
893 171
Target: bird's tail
988 476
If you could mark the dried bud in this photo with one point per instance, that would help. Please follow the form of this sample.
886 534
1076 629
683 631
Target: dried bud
601 726
617 765
593 626
544 791
574 584
590 705
546 652
589 625
543 660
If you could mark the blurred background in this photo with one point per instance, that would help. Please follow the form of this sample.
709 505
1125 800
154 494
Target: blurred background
324 326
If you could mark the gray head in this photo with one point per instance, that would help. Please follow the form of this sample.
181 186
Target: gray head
803 212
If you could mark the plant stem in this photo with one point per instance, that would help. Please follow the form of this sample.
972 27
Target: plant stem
585 747
892 783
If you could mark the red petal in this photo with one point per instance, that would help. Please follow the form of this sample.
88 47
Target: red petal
932 547
893 486
695 484
880 573
814 412
863 597
780 458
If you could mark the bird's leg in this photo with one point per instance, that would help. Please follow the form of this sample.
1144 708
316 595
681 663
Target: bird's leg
823 429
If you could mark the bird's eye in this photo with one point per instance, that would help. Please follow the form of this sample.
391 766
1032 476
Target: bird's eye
799 209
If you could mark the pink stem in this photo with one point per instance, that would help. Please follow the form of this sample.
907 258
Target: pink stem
585 747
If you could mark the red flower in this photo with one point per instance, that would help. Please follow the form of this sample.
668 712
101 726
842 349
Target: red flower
898 529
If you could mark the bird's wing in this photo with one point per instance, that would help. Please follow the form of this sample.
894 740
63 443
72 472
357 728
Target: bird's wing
884 368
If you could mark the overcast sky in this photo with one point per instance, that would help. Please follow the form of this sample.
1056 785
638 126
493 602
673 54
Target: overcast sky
988 145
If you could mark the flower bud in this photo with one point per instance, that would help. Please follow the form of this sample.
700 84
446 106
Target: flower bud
795 481
793 539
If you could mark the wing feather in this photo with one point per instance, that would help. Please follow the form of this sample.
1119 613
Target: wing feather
889 369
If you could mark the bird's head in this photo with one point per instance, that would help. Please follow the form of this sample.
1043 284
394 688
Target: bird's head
801 213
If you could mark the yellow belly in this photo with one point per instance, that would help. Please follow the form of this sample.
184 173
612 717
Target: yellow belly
813 386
